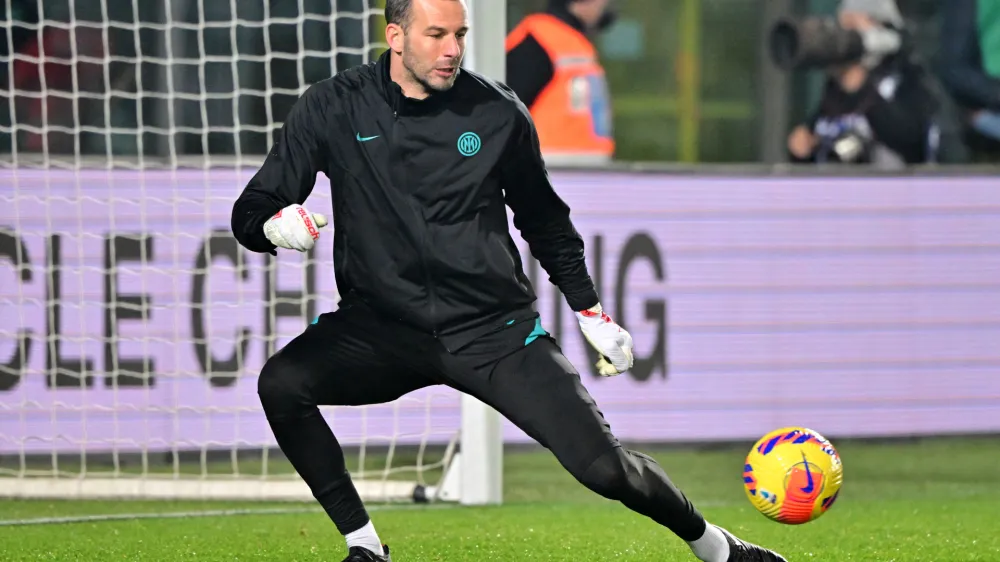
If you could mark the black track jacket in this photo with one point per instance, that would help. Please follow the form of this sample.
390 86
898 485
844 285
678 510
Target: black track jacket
419 194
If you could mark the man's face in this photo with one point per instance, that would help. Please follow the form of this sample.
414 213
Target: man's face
590 12
433 43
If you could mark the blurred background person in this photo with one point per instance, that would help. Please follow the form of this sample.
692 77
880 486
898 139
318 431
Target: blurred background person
45 66
876 107
970 70
552 65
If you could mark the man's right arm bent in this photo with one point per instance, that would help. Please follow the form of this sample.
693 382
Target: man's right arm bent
286 179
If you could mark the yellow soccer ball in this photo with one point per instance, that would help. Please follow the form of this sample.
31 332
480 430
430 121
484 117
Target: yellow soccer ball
792 475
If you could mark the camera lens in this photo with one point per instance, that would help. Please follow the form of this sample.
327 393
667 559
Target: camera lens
813 42
784 45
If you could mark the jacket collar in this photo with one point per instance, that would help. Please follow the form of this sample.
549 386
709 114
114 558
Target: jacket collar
395 98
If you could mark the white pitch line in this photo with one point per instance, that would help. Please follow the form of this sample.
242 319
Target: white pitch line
182 515
231 512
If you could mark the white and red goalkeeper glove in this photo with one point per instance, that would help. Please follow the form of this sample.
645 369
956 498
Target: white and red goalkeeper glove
612 342
294 228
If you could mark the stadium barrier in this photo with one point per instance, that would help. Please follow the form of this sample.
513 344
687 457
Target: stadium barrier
858 306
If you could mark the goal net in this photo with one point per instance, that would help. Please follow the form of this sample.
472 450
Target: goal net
134 326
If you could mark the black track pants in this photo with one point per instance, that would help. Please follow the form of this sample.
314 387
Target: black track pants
351 357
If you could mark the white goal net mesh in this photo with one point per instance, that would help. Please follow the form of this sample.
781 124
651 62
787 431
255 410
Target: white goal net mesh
134 327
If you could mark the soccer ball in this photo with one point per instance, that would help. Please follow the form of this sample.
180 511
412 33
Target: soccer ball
792 475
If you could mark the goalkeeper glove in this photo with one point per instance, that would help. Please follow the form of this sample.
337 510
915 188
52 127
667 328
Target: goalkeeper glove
294 228
612 342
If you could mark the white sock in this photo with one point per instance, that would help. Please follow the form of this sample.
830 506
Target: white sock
712 546
365 537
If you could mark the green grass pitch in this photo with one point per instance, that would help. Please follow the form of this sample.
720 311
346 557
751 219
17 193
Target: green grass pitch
931 500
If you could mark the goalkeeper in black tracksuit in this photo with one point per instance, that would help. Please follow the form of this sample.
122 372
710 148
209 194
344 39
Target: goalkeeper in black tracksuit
423 158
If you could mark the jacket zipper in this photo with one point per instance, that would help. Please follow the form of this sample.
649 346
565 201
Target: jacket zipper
431 294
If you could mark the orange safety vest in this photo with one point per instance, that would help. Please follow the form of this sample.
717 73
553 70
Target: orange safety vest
573 112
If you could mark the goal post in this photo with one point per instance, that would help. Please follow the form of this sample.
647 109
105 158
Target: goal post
134 326
482 438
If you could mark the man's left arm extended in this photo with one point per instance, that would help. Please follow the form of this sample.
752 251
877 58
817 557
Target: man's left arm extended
543 219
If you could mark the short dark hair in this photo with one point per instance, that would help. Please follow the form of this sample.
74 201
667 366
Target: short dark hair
398 12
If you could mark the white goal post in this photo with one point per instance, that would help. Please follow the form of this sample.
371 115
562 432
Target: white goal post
482 439
134 327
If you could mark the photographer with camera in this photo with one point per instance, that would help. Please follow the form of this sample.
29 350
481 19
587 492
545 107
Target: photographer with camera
876 107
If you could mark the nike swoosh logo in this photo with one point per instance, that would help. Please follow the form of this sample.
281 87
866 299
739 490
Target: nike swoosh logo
809 477
366 139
